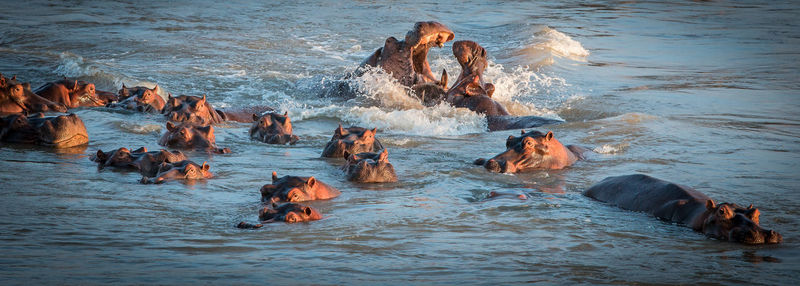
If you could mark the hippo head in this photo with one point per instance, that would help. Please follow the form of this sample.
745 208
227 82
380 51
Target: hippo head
407 60
61 131
192 109
470 90
289 212
273 128
190 136
83 93
354 140
141 99
737 224
183 170
121 158
369 167
296 189
532 150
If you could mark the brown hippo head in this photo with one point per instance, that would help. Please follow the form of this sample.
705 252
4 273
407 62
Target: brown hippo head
288 212
532 150
407 60
354 140
17 97
190 136
183 170
369 167
273 128
296 189
470 90
147 163
141 99
191 109
734 223
71 93
61 131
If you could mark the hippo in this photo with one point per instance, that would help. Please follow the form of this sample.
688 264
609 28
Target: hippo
287 212
273 128
182 170
407 60
61 131
197 109
296 189
144 162
71 93
369 167
686 206
472 91
17 97
190 136
354 140
141 99
533 151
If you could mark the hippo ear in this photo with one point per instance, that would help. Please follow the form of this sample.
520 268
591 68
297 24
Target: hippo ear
274 176
169 96
374 130
171 126
548 136
123 86
339 131
753 214
140 150
384 156
255 117
157 90
311 181
101 156
205 166
307 210
710 205
522 132
286 113
203 100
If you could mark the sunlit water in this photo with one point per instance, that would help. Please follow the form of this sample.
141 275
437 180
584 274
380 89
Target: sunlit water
704 94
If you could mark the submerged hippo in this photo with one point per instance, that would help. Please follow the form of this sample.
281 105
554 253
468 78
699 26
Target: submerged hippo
369 167
190 136
144 162
407 60
183 170
71 93
287 212
531 151
352 140
684 205
17 97
141 99
61 131
273 128
296 189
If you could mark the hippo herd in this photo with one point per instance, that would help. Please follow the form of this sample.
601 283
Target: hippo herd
190 124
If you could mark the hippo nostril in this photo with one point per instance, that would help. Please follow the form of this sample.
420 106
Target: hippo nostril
774 237
493 166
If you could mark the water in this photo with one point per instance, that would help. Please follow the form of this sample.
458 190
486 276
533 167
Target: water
700 93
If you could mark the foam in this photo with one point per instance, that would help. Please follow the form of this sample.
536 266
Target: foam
560 44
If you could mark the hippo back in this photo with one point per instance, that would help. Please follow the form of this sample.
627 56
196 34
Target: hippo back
644 193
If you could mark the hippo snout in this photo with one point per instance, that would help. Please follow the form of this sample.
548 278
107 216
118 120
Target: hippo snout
773 237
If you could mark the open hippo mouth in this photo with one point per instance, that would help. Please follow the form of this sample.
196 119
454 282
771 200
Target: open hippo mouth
407 60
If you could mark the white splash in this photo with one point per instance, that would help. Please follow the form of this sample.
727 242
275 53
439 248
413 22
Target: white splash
560 44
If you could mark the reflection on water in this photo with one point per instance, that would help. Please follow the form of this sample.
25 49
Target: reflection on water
699 93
